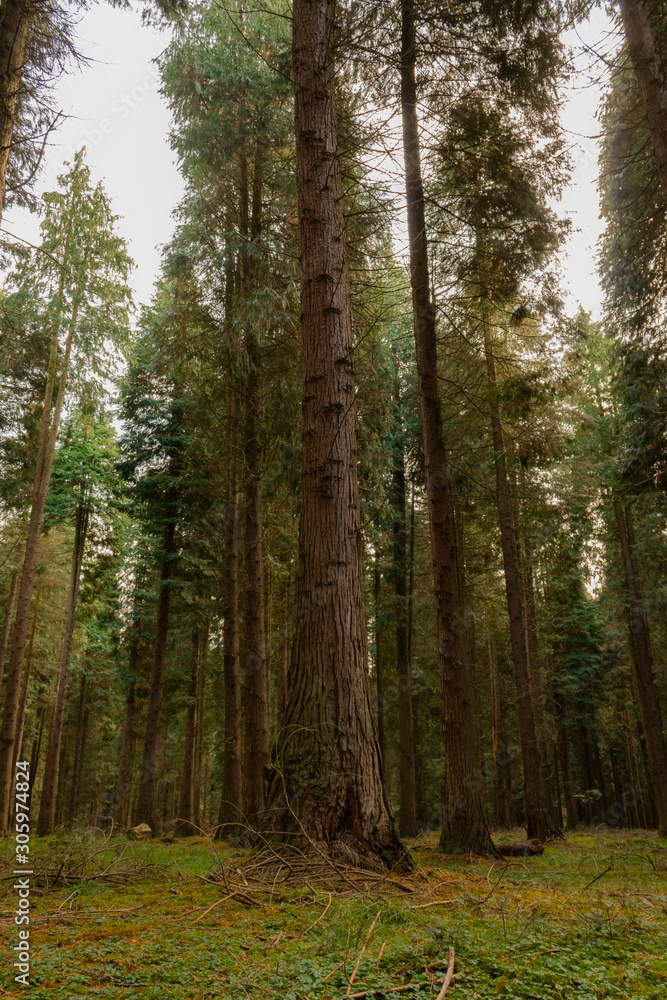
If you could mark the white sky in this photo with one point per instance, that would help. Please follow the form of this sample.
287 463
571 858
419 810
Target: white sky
116 112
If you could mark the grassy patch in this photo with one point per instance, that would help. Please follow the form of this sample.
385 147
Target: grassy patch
587 920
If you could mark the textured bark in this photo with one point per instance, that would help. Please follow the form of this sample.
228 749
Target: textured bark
48 433
540 824
650 72
408 826
79 747
186 802
283 661
231 803
379 671
647 693
146 811
465 825
47 805
15 19
202 660
6 632
25 680
256 757
327 784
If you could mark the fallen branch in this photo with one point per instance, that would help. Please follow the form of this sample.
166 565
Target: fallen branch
322 914
361 953
448 977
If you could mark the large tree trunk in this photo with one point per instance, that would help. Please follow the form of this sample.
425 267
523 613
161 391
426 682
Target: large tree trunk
185 826
650 72
539 821
146 811
408 825
327 783
231 803
15 18
465 825
640 644
48 433
47 804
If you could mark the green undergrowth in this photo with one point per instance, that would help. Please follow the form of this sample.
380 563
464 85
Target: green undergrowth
586 920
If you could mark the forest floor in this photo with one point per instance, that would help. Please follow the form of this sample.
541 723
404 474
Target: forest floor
139 919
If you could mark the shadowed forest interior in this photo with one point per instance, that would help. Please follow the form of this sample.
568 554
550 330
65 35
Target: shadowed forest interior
356 531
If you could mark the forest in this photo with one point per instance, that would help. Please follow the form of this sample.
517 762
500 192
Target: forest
333 579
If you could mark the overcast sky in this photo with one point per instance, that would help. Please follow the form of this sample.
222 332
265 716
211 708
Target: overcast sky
117 113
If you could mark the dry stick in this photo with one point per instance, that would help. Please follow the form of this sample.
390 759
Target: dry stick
209 908
384 945
324 911
392 989
597 877
361 953
339 966
448 977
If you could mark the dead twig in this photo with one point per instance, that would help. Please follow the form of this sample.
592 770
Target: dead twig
448 977
361 953
322 914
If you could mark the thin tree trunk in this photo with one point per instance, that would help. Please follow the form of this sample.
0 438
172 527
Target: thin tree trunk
539 822
256 759
561 746
283 661
121 809
25 680
7 630
231 806
47 804
79 747
186 798
501 791
465 824
650 72
327 784
15 18
36 747
408 801
647 693
534 672
200 724
379 671
45 452
146 811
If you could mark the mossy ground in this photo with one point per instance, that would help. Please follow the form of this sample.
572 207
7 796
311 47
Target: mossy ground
586 920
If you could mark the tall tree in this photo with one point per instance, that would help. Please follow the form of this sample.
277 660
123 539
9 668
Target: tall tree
465 824
81 276
327 785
